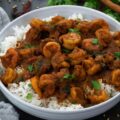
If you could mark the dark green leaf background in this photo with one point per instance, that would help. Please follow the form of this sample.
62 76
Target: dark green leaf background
95 4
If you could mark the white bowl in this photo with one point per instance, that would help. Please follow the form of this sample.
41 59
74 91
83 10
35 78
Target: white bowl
49 113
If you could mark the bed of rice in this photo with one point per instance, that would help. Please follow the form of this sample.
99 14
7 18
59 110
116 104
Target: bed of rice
24 90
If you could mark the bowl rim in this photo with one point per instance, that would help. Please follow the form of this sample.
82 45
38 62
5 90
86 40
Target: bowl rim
50 110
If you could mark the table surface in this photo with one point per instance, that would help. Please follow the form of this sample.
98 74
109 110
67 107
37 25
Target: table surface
112 114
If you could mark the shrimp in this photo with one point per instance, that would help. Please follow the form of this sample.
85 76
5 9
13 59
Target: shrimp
9 76
79 72
10 59
77 95
88 44
116 37
106 58
50 49
57 19
91 67
83 26
59 61
59 75
116 77
44 42
94 69
104 37
116 64
37 23
117 42
35 32
98 96
26 52
70 40
41 65
76 56
97 24
88 62
31 35
63 25
47 85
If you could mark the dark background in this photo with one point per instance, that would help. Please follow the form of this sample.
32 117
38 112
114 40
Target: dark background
113 114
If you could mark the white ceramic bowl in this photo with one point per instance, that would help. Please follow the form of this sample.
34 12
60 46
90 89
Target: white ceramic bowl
56 114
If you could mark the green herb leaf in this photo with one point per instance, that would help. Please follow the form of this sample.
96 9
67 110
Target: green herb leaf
117 55
92 4
1 71
29 85
116 1
55 2
112 13
74 102
30 68
74 30
95 41
29 96
62 2
69 76
28 46
96 85
65 50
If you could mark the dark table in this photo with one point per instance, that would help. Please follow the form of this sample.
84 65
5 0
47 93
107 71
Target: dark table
113 114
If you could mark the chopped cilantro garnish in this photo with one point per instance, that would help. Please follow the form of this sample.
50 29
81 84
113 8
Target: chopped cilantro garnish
30 85
30 68
28 46
74 30
96 85
95 41
69 76
117 55
29 96
1 71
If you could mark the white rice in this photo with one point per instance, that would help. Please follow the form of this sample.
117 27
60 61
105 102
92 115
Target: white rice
23 90
110 90
11 41
76 16
22 31
47 19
